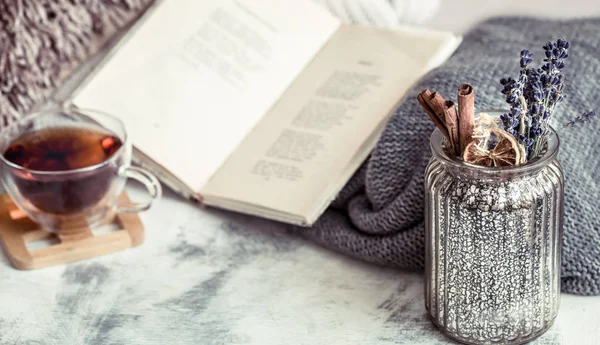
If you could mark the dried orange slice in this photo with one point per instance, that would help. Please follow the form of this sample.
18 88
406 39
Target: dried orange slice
507 151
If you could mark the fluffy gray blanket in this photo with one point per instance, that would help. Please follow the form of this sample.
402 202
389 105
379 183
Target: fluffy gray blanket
378 217
43 41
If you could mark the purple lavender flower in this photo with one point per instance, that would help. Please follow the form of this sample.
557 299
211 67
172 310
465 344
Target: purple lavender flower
563 44
585 117
549 47
526 58
510 121
525 141
534 95
512 132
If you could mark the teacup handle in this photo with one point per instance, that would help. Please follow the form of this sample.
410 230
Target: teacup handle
147 179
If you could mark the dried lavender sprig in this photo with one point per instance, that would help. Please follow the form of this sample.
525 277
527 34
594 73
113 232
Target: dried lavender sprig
576 121
526 58
583 118
534 96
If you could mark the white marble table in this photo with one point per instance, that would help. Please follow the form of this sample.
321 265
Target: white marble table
211 277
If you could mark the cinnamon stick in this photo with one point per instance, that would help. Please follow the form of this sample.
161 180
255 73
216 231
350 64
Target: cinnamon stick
466 114
436 101
423 99
451 118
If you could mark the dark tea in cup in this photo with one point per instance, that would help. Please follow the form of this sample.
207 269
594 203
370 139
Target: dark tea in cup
66 168
64 149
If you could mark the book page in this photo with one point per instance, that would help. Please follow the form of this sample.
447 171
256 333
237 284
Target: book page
197 76
295 159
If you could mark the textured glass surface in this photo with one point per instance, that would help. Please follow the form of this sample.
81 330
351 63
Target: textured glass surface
493 247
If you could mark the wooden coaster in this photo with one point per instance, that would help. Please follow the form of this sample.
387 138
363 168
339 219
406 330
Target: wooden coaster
16 230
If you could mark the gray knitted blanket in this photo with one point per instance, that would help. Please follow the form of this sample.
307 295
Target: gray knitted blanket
378 217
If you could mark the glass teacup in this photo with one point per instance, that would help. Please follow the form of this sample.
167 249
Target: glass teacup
66 168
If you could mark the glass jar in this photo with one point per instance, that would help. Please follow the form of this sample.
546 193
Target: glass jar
493 246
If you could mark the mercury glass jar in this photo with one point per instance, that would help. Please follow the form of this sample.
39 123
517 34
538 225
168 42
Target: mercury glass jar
493 246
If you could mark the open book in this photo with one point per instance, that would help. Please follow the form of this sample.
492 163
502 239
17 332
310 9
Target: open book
264 107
